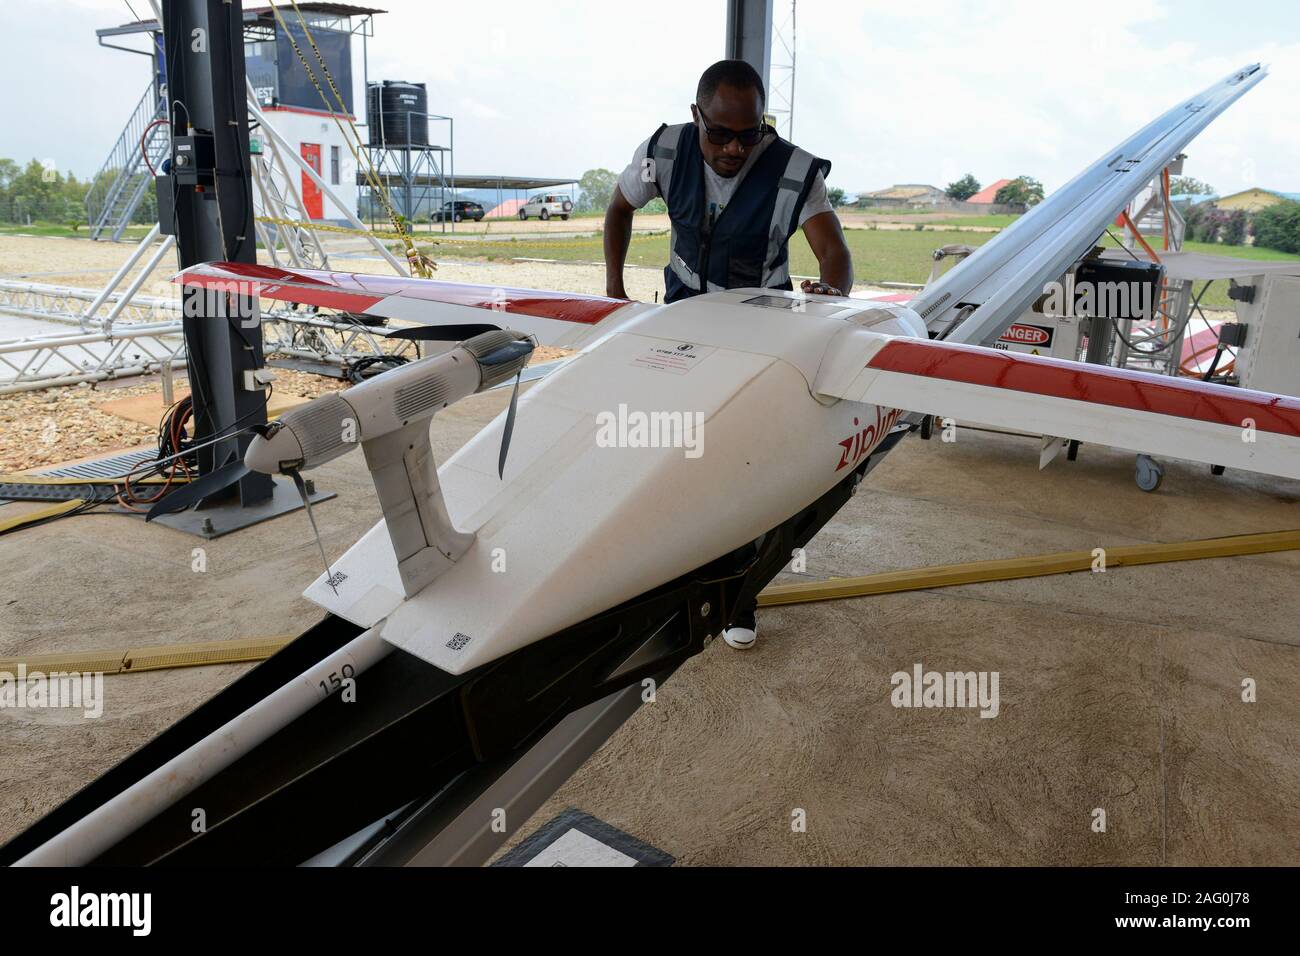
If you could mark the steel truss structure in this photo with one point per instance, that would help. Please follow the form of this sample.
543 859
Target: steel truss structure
150 338
121 333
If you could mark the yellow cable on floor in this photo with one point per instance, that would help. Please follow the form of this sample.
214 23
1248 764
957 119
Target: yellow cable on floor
40 514
198 654
149 658
976 572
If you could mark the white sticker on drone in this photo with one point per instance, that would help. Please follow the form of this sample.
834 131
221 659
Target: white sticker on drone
677 358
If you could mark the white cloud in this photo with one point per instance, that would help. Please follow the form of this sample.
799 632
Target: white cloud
889 91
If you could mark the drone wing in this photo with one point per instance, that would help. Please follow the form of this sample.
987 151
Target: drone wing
1156 414
994 285
564 319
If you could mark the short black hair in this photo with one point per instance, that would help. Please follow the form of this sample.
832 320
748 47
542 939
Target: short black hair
736 73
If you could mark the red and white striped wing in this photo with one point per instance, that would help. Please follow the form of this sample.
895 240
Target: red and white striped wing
1175 417
565 319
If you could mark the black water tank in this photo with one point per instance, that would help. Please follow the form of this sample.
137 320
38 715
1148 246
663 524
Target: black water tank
391 108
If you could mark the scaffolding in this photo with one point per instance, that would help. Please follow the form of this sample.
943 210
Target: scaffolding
419 178
781 93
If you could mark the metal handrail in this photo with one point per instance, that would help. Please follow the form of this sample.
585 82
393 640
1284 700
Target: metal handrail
125 157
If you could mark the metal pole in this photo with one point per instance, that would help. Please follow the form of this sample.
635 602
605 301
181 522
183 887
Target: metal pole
794 46
127 266
166 246
749 34
214 220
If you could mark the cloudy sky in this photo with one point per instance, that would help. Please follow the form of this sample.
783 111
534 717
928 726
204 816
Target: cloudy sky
888 91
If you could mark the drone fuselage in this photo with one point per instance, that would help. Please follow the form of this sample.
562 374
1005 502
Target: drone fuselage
681 435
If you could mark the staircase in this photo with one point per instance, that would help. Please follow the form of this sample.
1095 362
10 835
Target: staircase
1147 211
119 186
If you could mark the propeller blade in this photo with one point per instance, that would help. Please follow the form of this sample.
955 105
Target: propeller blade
198 489
509 429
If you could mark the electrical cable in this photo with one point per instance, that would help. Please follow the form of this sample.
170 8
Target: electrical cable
356 371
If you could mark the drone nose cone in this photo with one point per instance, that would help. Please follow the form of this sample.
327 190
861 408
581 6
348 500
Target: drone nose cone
268 455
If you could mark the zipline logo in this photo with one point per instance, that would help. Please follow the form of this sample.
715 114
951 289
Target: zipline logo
38 690
636 429
923 688
75 908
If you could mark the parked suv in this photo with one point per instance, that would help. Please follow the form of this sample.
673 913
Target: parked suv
461 209
544 207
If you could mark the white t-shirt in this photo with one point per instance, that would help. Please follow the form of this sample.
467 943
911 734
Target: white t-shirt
718 190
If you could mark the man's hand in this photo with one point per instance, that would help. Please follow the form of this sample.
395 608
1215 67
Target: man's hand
826 239
818 288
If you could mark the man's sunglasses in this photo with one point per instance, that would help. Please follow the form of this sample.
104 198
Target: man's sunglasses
721 136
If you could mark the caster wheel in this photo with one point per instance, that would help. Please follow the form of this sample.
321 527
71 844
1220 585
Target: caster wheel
1148 473
1072 452
927 427
1216 469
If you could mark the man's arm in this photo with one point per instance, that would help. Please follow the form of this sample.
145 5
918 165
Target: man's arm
618 236
827 241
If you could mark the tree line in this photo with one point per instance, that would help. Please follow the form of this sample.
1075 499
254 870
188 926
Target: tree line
40 193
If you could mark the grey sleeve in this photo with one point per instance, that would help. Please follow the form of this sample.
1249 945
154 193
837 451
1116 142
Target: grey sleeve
817 202
632 181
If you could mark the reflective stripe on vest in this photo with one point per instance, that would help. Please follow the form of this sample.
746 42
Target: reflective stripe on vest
684 272
784 216
660 154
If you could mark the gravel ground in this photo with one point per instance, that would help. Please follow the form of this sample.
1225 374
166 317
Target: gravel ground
57 425
53 426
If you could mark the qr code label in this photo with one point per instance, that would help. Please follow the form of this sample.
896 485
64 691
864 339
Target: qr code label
459 641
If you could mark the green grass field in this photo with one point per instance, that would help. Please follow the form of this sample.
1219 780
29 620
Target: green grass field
61 229
1000 221
879 255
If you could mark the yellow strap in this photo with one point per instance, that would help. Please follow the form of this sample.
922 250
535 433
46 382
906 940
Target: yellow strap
150 658
40 514
419 264
947 575
52 480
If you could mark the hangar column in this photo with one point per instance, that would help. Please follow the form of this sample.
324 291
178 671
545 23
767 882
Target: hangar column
206 202
749 35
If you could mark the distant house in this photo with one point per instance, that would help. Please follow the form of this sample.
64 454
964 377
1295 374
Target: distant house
1254 199
911 195
989 193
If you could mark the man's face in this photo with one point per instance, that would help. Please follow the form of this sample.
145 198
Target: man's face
732 108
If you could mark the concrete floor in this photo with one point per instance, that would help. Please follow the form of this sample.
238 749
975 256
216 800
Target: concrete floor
1119 691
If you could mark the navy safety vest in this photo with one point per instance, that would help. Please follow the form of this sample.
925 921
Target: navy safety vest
747 245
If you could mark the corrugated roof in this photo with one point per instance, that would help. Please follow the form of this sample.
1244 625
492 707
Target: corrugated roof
989 193
254 13
333 9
